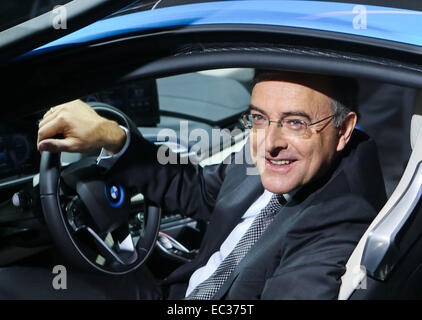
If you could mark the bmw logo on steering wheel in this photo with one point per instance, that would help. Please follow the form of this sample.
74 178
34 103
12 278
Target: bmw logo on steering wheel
114 194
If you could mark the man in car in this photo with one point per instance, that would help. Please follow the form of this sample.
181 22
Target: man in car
283 234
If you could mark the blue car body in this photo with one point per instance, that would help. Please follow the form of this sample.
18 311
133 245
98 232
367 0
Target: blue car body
342 19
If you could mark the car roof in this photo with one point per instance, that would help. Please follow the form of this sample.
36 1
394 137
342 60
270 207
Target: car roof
395 26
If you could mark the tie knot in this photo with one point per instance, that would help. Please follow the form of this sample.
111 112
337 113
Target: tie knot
276 202
278 199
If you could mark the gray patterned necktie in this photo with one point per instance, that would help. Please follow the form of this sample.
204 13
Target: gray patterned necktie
209 287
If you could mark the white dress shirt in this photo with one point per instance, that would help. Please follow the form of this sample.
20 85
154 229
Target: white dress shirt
107 160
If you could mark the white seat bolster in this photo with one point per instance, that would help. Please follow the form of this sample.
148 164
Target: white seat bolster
355 276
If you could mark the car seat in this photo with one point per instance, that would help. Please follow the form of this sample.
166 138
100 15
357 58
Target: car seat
387 262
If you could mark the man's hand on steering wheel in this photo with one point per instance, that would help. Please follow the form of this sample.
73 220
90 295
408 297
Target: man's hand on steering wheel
83 130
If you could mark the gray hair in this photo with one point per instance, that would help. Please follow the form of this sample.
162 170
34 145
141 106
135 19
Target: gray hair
340 111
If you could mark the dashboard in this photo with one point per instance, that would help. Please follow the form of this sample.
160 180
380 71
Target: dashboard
176 97
18 150
179 97
190 97
138 100
19 157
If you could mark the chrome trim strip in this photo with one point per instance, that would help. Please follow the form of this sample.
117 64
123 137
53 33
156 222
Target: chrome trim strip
16 181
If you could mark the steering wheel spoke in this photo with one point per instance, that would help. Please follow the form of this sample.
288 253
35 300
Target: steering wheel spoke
122 256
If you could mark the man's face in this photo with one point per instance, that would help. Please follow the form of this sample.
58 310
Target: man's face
309 156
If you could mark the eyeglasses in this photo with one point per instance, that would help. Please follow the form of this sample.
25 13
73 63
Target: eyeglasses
291 125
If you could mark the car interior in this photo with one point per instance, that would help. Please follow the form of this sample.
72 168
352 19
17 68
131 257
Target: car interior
207 99
386 263
189 97
172 86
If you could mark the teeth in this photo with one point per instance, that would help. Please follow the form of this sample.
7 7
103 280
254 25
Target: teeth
281 162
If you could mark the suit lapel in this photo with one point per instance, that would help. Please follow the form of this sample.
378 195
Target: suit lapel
279 226
230 208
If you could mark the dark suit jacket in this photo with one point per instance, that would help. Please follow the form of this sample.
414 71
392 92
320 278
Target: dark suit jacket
302 254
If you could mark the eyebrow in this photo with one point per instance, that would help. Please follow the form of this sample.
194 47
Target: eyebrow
284 114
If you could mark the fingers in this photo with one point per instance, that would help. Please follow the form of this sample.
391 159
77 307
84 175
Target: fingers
56 145
50 112
50 129
46 119
50 115
72 106
53 123
80 125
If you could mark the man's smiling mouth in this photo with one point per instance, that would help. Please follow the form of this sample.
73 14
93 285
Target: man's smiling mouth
280 163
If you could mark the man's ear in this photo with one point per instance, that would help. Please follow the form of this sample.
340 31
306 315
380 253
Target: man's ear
346 129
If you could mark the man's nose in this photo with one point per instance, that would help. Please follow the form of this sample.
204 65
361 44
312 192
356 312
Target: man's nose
275 139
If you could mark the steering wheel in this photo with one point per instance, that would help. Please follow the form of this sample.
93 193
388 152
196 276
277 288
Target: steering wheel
90 213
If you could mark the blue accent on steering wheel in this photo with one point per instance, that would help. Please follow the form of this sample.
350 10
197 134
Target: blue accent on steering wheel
114 194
